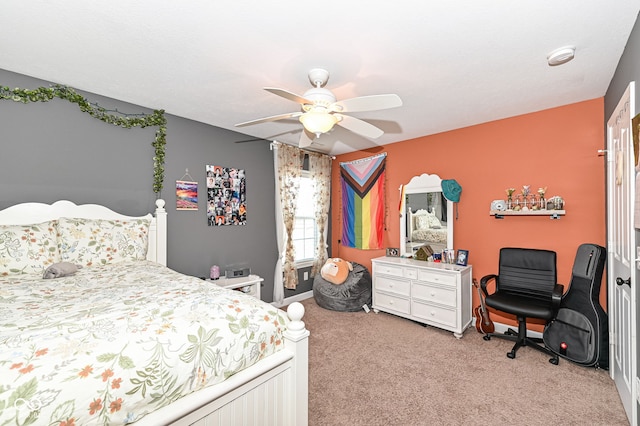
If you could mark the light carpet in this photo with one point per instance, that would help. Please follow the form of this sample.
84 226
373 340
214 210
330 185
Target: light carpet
380 369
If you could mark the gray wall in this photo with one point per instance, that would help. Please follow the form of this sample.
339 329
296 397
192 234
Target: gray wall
51 151
628 70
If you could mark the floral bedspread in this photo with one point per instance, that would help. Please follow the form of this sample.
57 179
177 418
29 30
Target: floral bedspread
432 235
112 343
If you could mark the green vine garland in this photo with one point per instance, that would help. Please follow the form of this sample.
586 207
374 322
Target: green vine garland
45 94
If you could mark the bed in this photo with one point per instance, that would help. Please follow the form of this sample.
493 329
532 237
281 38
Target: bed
425 228
126 339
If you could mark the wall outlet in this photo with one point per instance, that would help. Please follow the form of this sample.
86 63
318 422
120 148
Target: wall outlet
305 275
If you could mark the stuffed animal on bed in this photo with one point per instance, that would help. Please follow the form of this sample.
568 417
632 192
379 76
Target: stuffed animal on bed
336 270
61 269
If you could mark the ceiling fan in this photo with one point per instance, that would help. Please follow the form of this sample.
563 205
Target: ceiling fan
320 110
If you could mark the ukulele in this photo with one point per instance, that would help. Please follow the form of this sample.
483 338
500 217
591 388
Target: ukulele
484 324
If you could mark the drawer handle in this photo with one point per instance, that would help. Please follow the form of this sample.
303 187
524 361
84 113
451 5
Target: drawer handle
433 313
433 293
391 302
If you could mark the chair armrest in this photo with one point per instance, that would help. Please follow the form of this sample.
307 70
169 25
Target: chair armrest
556 296
485 280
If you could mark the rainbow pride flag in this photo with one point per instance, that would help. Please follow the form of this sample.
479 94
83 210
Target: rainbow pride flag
362 184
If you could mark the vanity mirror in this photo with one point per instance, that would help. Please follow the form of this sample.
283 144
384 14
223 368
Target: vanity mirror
427 216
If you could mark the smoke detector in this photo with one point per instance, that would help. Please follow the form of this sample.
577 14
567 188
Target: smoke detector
561 56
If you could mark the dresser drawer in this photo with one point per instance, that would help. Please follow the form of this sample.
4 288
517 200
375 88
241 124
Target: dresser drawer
435 314
396 271
437 277
386 301
441 295
392 285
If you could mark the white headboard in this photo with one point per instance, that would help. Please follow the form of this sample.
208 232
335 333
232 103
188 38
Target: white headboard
411 222
27 213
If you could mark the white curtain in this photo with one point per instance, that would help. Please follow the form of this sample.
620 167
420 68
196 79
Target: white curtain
287 166
436 204
320 171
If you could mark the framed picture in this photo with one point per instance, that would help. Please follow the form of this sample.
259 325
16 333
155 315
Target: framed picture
186 195
393 252
462 258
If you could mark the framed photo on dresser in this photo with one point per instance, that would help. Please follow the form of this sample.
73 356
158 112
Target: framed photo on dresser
462 258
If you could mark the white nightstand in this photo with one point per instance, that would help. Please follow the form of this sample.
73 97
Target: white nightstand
249 285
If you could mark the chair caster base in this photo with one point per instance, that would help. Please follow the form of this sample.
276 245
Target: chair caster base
511 354
553 361
486 337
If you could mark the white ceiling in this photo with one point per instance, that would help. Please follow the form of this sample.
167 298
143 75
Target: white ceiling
453 63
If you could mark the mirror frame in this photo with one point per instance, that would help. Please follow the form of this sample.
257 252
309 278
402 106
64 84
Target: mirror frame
422 184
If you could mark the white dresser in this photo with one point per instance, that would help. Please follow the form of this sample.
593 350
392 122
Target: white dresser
438 294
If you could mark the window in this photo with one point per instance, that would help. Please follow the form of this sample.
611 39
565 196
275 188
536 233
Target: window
305 232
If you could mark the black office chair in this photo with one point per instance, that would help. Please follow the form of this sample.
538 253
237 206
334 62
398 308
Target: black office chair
526 286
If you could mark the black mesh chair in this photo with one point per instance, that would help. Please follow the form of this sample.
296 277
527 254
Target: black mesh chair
526 286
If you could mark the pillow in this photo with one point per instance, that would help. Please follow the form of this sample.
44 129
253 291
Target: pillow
422 222
60 269
336 270
28 249
100 241
434 222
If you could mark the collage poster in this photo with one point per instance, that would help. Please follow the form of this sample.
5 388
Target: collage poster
226 196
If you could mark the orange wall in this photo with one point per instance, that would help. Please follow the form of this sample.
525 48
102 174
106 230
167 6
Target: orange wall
556 148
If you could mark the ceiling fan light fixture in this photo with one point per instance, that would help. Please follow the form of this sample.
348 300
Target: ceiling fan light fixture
320 111
561 56
318 122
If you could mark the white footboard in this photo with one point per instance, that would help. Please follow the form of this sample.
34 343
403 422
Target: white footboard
272 392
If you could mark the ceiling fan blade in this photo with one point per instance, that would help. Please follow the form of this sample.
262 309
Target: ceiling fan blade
367 103
272 118
306 139
359 126
288 95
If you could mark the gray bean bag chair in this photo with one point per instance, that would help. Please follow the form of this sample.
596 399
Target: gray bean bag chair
349 296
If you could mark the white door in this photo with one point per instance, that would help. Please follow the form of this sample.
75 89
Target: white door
621 244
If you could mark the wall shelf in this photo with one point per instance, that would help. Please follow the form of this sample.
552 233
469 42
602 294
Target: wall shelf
553 214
